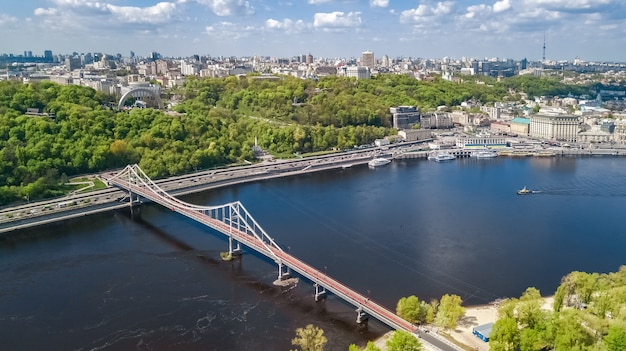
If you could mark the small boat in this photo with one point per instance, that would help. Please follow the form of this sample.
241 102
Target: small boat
379 161
524 191
441 157
349 165
486 154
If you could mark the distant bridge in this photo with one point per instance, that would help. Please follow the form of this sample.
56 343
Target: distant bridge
234 221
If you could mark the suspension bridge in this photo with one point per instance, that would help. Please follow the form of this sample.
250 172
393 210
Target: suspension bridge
235 222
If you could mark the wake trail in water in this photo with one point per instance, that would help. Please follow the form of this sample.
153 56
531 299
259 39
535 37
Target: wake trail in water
587 186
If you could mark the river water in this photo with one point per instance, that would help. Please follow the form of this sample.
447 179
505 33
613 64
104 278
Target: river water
155 281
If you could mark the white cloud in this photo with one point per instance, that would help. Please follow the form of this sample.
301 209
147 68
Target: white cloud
379 3
84 10
570 4
424 13
478 11
46 12
286 25
7 20
159 13
500 6
228 7
337 19
228 31
315 2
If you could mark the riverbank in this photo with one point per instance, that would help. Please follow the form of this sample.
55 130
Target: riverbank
479 315
474 316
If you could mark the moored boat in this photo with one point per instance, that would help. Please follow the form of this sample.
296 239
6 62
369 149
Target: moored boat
486 154
441 157
379 161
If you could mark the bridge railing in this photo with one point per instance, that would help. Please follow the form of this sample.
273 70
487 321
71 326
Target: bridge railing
234 214
235 221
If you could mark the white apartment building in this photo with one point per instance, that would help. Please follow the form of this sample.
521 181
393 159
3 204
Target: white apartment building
554 127
189 68
359 72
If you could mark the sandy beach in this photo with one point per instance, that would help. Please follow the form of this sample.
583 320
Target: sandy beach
479 315
474 316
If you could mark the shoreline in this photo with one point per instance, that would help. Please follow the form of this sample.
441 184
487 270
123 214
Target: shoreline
475 315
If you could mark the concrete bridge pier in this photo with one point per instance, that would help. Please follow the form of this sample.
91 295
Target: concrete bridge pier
320 292
134 203
361 316
236 251
284 276
284 272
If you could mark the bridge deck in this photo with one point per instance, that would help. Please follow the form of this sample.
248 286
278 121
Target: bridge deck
199 214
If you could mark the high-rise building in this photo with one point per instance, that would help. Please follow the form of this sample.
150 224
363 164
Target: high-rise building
72 63
309 59
47 55
386 62
367 60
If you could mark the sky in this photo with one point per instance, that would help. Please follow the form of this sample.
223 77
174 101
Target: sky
592 30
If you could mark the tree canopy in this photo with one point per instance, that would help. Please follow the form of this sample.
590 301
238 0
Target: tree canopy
589 313
403 341
310 338
218 122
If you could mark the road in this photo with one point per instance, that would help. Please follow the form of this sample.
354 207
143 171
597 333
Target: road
77 205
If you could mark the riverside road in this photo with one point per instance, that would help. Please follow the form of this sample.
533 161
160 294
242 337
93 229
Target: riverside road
43 212
79 205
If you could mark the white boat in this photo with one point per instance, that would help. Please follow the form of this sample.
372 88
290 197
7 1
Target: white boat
486 154
379 161
441 157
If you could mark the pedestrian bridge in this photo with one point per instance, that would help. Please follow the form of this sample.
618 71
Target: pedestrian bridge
236 223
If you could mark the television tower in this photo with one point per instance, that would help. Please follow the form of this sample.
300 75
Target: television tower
544 47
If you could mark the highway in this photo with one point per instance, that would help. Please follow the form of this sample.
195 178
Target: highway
78 205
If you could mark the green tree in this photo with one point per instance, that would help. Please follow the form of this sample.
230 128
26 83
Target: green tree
409 308
310 338
528 308
615 340
504 335
449 311
369 347
403 341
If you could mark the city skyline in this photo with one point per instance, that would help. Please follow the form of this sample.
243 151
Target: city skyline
586 29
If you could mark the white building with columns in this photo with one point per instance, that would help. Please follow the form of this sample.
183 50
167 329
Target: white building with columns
554 127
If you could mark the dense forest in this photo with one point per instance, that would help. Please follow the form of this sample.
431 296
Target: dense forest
215 124
589 313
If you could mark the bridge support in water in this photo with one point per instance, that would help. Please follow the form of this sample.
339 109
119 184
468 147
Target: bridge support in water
320 292
284 272
233 251
361 316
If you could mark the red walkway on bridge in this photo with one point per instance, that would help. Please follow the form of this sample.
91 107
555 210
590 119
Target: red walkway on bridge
234 221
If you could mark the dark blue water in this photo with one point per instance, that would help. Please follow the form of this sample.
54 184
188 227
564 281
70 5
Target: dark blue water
155 282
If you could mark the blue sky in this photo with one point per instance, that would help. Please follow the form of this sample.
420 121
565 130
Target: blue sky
587 29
